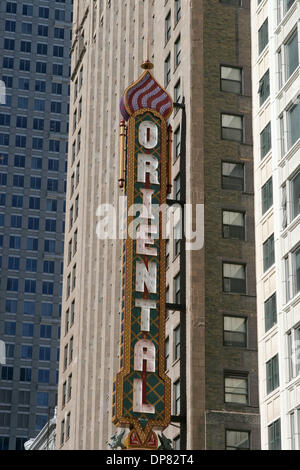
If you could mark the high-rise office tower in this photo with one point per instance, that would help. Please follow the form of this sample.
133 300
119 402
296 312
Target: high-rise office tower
34 61
276 111
201 52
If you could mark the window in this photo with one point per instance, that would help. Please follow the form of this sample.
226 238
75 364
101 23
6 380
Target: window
45 331
33 223
168 27
19 161
234 278
17 201
283 7
15 242
264 88
44 353
177 237
11 7
294 124
177 93
43 12
265 141
34 203
237 440
295 190
176 339
167 353
11 306
236 389
43 376
47 287
42 30
62 432
176 395
177 10
270 312
292 55
31 265
7 373
232 127
68 426
27 330
274 435
48 267
231 79
272 374
177 143
25 374
177 289
296 270
268 253
10 328
12 284
29 307
233 225
267 195
177 51
167 70
46 309
40 86
30 286
293 347
177 188
32 244
263 36
69 386
42 399
13 263
235 331
38 124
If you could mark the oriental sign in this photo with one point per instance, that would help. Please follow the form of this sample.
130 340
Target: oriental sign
142 390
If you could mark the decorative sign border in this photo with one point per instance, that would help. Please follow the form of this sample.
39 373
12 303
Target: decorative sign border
156 413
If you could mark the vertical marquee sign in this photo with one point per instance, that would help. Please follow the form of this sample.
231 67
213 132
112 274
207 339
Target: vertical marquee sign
142 390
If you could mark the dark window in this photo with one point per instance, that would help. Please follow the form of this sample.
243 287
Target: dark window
292 56
264 88
168 27
232 127
265 141
234 278
274 435
263 36
235 331
231 79
272 374
237 440
267 195
295 185
236 389
270 312
233 225
269 255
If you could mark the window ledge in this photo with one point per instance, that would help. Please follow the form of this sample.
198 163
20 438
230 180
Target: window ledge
290 227
288 83
291 303
290 153
286 18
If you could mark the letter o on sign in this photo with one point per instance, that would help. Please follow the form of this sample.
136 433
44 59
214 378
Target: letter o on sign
148 134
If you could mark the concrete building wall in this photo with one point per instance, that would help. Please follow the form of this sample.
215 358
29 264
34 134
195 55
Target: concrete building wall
280 404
